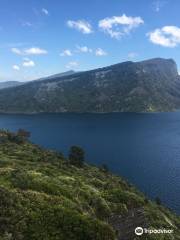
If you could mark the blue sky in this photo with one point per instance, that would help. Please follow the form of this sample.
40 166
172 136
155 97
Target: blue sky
40 38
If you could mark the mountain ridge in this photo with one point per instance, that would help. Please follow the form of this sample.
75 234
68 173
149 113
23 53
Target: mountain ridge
148 86
7 84
57 75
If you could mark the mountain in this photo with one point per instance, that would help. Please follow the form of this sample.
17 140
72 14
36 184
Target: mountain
58 75
44 196
147 86
9 84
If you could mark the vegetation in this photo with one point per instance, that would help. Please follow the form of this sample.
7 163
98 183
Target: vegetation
76 156
146 86
158 200
45 197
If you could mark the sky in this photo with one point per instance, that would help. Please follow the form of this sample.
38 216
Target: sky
45 37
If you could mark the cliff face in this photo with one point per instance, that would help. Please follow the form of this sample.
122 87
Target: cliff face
147 86
44 196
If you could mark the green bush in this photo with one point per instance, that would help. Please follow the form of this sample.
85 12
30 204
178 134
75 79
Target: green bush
76 156
27 216
131 200
44 197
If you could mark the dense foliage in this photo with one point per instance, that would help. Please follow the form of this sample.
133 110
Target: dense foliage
44 197
76 156
147 86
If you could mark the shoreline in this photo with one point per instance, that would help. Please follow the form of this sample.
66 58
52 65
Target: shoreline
101 113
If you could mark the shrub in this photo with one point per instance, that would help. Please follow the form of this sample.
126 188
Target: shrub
158 201
104 168
76 156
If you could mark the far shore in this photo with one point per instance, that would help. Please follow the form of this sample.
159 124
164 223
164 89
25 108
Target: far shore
65 112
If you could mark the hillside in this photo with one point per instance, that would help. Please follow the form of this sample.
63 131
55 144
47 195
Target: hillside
58 75
147 86
8 84
44 196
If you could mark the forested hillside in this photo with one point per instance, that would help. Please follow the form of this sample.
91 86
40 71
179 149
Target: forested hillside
147 86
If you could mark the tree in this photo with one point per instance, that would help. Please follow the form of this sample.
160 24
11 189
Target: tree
104 168
76 156
21 136
23 133
158 201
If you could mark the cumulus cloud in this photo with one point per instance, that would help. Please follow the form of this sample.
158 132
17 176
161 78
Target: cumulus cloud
167 36
35 51
84 49
67 53
72 64
118 26
29 51
80 25
16 67
28 63
45 11
100 52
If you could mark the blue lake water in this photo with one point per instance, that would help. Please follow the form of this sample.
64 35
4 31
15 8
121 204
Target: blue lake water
143 148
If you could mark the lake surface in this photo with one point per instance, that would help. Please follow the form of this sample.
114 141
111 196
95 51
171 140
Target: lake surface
143 148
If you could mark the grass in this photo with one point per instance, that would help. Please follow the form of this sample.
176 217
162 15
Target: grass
44 197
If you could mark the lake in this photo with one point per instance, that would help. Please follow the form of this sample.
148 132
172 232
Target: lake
143 148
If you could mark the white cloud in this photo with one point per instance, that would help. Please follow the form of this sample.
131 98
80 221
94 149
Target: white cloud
100 52
16 51
16 67
28 63
72 64
27 24
45 11
29 51
132 55
67 53
35 51
118 26
157 5
80 25
168 36
84 49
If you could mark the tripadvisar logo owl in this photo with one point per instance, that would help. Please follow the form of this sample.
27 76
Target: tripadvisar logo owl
139 231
